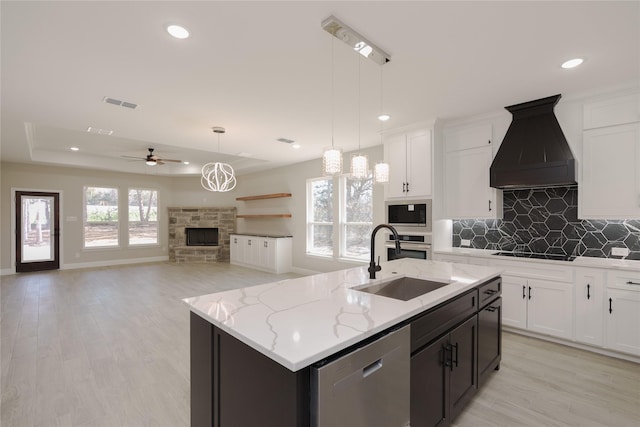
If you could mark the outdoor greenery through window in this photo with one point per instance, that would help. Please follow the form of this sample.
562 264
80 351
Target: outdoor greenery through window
143 217
356 218
353 218
320 216
100 217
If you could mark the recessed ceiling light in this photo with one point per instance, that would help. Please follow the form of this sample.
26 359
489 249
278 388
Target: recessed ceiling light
384 117
74 149
177 31
296 146
572 63
99 131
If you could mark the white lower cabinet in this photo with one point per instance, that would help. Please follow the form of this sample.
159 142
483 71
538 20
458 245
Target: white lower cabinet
263 253
589 299
538 305
622 311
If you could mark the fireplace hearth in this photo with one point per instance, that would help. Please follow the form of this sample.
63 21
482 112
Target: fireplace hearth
201 236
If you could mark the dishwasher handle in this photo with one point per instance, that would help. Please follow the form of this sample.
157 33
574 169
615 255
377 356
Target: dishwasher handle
368 370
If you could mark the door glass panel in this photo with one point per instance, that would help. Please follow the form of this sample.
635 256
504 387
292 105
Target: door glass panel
37 228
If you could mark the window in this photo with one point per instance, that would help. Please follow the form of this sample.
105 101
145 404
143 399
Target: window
353 218
320 216
143 217
356 218
100 217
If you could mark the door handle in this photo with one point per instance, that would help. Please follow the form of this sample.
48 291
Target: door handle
529 292
588 291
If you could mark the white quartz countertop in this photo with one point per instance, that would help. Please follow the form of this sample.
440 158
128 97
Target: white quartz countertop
298 322
581 261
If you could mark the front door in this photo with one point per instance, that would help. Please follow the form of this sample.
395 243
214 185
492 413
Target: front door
37 231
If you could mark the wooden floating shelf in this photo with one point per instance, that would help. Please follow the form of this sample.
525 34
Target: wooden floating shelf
265 216
264 196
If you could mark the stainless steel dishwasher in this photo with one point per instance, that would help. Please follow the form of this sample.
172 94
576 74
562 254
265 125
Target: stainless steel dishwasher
368 387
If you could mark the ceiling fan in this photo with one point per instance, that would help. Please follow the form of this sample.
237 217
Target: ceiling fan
152 159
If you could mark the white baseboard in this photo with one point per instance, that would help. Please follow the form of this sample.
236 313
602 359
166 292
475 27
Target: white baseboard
303 271
9 271
593 349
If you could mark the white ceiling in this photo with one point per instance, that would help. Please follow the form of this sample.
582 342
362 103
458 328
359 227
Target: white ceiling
263 71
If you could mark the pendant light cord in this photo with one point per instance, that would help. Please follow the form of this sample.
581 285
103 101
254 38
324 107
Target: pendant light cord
359 59
332 92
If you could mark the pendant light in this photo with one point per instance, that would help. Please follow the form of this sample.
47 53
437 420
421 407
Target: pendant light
359 162
332 156
218 176
381 169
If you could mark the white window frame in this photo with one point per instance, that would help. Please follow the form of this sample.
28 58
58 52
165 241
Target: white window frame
157 195
339 221
311 223
84 218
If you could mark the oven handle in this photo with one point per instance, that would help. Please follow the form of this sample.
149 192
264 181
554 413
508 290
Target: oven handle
409 246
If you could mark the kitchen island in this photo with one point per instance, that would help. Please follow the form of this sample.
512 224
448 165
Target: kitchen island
252 349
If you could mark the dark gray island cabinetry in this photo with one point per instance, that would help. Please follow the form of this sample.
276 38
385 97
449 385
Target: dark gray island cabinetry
246 372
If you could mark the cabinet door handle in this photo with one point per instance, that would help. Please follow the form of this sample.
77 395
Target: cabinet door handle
524 288
407 187
529 292
489 205
588 291
444 360
404 186
455 346
489 141
249 242
629 282
610 305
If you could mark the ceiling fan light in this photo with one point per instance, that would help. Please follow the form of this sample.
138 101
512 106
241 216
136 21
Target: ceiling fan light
151 162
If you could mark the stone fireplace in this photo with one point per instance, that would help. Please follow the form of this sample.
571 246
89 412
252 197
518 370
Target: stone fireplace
205 225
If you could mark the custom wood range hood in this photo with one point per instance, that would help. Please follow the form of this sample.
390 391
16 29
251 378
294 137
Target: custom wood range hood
534 152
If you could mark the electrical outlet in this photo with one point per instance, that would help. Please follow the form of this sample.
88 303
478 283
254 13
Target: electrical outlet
465 242
619 251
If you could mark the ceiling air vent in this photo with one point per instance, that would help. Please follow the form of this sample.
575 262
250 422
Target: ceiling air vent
119 102
286 140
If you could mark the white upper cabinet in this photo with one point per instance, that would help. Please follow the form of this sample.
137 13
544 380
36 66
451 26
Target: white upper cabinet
410 158
468 153
613 111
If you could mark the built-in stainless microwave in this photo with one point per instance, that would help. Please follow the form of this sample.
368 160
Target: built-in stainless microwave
409 213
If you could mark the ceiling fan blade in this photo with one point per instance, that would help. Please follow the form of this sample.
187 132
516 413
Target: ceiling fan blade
159 162
132 157
170 160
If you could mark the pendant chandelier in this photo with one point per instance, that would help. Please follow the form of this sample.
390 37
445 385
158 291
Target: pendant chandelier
359 162
332 156
218 176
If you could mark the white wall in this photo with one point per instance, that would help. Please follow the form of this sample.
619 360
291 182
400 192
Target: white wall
70 183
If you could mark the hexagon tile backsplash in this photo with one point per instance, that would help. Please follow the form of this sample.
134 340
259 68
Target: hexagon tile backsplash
546 221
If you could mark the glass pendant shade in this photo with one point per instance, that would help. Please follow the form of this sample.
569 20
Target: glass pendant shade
359 167
381 173
218 177
332 161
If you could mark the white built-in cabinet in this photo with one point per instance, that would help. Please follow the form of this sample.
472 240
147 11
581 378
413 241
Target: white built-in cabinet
610 185
410 158
263 253
589 300
597 307
468 153
622 311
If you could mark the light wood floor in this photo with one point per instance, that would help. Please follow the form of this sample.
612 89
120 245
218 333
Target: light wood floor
110 347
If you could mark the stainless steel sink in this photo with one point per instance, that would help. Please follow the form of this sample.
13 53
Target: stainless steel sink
402 288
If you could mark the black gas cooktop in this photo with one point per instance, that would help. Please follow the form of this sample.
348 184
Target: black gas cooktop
556 257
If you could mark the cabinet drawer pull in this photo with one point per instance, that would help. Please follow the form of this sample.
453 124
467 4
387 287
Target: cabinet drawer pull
490 292
491 309
629 282
368 370
588 291
489 205
610 305
488 141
